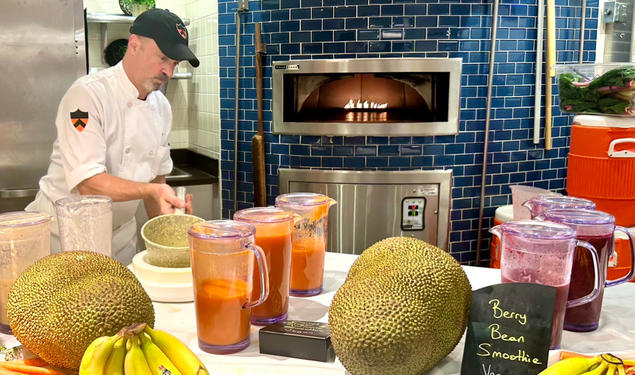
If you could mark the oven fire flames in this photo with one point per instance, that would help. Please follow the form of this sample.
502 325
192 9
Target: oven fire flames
364 105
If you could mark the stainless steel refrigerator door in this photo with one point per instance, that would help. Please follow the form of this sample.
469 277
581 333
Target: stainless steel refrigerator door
42 51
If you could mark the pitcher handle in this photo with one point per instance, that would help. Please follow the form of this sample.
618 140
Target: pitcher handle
596 269
630 273
264 276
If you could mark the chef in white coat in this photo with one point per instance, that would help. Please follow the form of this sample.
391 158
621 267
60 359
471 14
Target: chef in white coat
112 132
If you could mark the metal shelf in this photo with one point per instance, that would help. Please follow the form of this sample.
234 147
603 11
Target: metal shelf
116 18
105 19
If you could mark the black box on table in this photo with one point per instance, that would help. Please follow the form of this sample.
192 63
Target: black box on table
297 339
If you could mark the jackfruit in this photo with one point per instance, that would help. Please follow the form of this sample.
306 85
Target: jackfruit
403 307
62 302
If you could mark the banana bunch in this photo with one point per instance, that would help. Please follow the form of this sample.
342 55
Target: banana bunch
605 364
140 350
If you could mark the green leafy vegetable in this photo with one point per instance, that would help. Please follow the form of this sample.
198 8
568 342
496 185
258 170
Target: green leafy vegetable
612 105
611 93
621 77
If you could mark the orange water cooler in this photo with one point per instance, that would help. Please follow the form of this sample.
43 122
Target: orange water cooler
602 169
501 215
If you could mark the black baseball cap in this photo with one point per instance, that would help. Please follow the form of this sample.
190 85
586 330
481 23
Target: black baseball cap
168 31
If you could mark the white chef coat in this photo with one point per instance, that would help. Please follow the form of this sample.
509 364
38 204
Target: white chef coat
120 135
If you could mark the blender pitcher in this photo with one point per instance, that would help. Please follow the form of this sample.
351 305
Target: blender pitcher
24 238
597 228
274 234
222 257
542 253
85 223
309 240
538 205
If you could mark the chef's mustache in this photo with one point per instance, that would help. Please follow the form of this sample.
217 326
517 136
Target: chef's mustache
163 77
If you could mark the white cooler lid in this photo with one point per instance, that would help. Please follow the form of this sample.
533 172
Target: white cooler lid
604 121
505 213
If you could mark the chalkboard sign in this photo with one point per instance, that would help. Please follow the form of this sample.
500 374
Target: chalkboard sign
509 330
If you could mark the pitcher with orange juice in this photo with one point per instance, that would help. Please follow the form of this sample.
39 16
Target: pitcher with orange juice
222 257
274 229
309 240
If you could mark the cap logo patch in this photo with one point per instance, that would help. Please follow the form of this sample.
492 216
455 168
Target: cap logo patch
79 119
181 30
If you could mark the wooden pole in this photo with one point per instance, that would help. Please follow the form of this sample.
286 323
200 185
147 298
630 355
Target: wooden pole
551 68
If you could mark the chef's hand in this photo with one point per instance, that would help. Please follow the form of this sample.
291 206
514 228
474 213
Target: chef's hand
162 200
188 204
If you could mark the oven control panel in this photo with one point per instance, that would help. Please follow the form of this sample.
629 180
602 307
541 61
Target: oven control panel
412 213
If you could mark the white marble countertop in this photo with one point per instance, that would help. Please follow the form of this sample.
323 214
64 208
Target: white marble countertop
616 333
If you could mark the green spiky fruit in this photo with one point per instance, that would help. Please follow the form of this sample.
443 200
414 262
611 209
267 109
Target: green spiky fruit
63 302
403 308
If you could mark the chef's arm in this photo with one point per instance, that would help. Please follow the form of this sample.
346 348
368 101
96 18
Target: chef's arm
159 197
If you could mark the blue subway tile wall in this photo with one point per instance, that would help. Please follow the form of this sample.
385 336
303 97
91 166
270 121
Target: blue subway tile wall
319 29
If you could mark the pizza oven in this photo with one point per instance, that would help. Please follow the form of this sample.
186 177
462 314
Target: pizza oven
387 97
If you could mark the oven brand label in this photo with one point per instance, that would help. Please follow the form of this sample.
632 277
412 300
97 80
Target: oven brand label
288 67
428 190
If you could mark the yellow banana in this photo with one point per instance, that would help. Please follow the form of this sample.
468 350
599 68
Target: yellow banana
614 364
181 356
599 370
135 362
611 370
114 365
96 355
88 354
571 366
157 360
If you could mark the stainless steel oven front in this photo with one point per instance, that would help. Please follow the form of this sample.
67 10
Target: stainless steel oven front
373 205
387 96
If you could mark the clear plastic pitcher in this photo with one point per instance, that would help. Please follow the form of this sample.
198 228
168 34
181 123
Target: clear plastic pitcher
309 240
542 253
597 228
85 223
24 238
541 203
274 234
222 257
523 193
